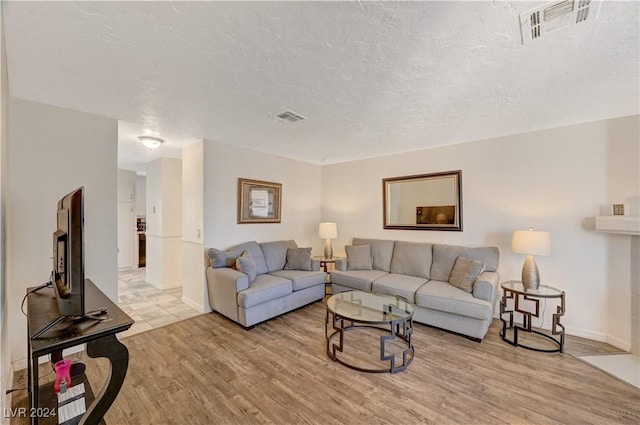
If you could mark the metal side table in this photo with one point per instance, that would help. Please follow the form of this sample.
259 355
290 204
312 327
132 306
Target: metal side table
515 290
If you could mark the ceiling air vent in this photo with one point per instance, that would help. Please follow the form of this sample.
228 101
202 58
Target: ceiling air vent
290 117
551 17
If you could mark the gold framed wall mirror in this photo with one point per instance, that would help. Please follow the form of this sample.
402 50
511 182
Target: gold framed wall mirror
259 201
423 202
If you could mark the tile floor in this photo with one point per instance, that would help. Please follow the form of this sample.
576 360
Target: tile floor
622 366
149 306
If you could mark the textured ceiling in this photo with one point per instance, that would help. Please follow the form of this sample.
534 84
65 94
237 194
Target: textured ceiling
372 78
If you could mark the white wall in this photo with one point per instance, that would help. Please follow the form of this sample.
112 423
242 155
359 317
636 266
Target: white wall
164 223
126 186
141 195
301 212
127 232
550 180
193 258
52 151
5 329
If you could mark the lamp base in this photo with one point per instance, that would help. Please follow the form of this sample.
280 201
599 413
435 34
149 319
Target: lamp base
530 273
328 249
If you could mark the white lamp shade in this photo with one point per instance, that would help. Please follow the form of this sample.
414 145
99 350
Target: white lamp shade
328 231
531 242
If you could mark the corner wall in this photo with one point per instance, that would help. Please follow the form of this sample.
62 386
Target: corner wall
164 223
301 213
5 329
623 181
550 180
193 259
52 151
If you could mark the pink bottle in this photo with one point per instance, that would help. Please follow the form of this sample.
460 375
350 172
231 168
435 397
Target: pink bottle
63 371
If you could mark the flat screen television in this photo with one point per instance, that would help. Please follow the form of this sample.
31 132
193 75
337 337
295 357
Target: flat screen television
68 254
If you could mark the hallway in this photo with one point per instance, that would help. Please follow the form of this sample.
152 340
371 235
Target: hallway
149 306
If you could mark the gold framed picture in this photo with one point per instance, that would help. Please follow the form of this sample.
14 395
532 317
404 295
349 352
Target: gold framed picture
618 209
259 201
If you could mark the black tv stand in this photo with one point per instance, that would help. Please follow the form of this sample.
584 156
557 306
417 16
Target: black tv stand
89 316
101 340
49 326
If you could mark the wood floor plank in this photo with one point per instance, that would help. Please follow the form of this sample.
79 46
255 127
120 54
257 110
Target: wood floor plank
209 370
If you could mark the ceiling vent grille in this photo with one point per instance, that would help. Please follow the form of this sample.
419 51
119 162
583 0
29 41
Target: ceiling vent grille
551 17
290 117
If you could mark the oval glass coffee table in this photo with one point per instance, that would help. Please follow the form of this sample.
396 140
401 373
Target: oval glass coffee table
358 310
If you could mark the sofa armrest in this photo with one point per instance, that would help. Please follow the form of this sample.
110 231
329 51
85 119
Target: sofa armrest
315 264
341 264
486 287
224 284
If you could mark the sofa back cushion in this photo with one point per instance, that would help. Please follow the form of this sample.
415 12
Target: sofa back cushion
275 254
412 259
381 251
256 252
445 256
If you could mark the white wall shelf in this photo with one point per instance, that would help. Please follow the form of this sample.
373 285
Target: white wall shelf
624 225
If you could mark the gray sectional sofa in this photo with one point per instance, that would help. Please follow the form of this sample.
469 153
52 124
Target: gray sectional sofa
278 287
421 273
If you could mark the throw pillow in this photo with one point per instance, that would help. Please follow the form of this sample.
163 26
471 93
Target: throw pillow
359 257
465 272
223 258
298 259
246 265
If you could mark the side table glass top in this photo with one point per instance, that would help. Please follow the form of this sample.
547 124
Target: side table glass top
328 260
543 291
369 307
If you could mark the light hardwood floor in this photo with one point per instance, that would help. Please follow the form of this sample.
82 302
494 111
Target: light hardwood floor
208 370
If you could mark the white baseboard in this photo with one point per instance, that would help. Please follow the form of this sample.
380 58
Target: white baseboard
585 333
599 336
195 305
617 342
165 286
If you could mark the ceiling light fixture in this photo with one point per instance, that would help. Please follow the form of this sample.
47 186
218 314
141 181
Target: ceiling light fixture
150 142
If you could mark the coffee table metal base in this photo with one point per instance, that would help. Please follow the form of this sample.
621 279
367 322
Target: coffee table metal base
336 326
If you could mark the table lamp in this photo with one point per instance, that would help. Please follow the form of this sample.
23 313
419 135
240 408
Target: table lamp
328 231
531 243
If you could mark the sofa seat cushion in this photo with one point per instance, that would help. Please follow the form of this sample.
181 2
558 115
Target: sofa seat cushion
398 284
442 296
302 279
265 288
356 279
